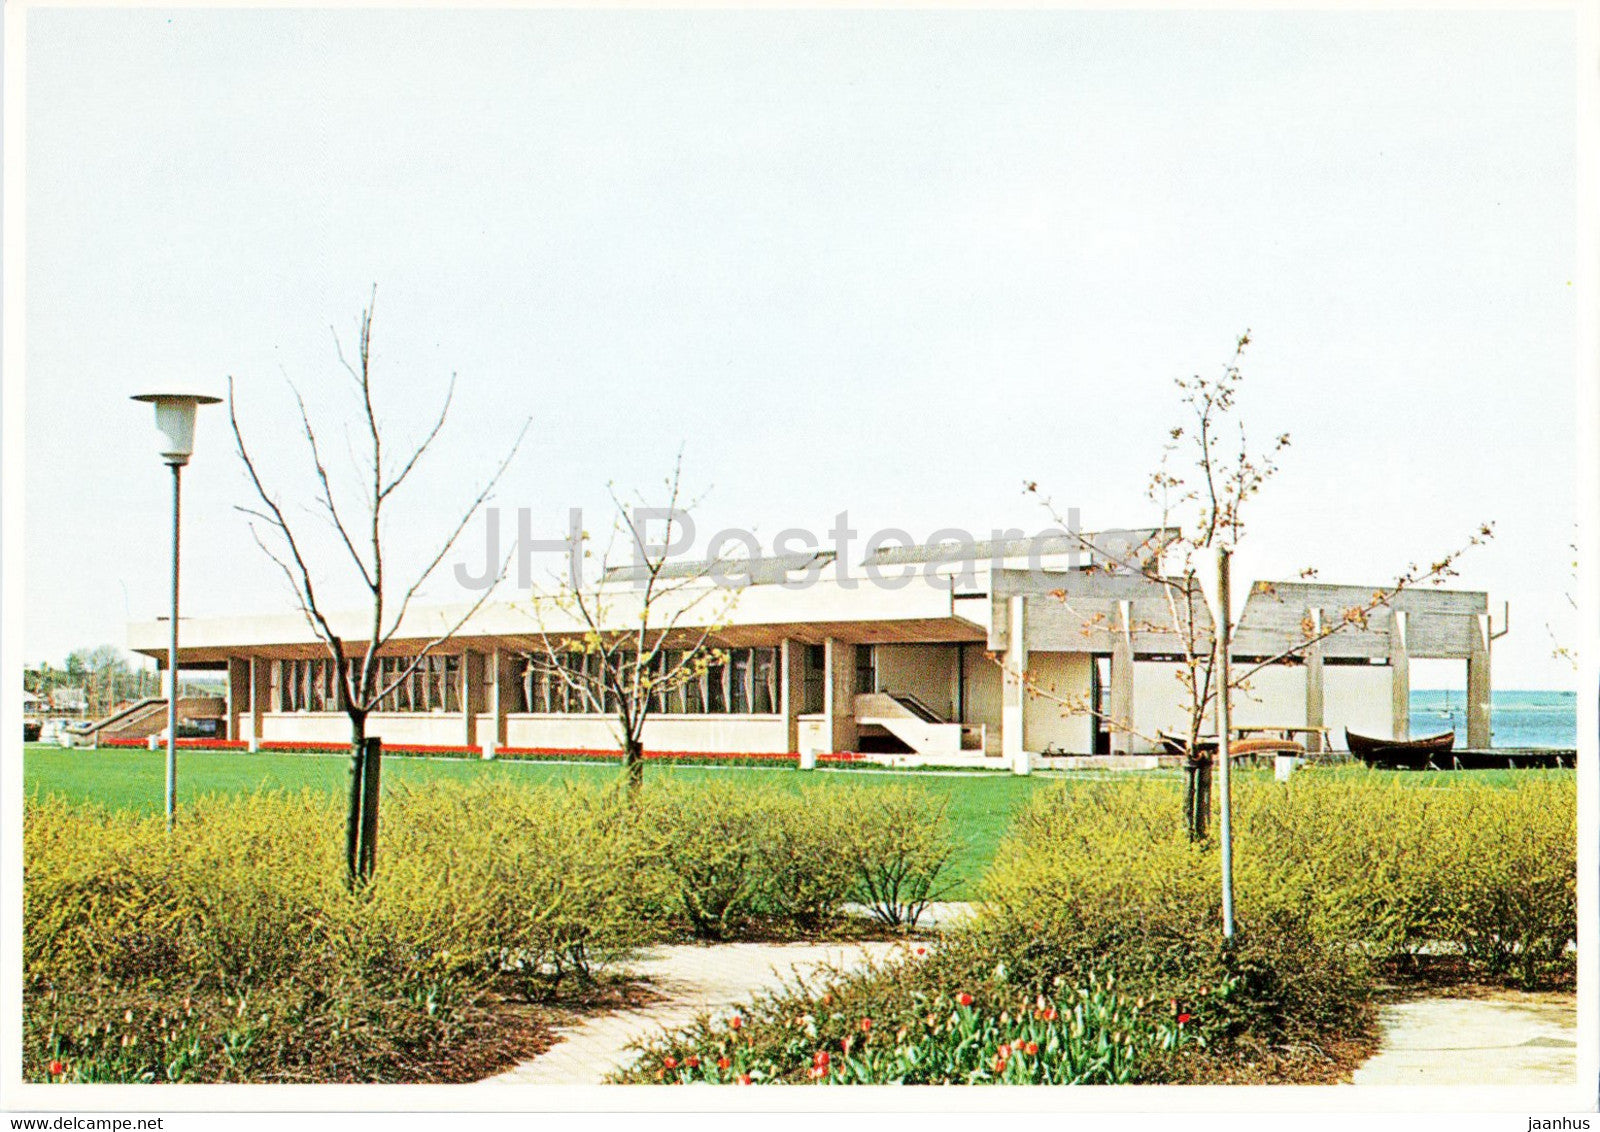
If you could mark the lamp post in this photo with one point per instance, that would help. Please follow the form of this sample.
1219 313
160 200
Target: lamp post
175 423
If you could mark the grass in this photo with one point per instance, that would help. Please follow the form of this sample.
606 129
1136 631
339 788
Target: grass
981 805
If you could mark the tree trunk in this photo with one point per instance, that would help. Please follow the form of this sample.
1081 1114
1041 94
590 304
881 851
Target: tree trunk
1196 787
361 821
633 763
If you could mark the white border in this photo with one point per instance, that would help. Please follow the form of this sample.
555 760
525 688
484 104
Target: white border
1473 1105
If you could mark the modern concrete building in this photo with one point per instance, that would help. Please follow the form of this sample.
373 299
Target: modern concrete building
1012 654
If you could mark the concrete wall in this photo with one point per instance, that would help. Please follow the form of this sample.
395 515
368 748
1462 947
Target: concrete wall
1274 695
985 681
1044 724
925 671
1357 697
731 733
392 727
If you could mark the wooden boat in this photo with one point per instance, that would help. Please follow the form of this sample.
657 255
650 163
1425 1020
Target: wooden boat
1401 754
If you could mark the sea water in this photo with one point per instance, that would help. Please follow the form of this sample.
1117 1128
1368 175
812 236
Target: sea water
1516 719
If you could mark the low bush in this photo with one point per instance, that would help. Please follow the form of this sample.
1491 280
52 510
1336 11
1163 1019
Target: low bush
231 948
748 858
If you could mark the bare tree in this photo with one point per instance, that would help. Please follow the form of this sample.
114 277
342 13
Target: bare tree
644 633
1208 474
361 683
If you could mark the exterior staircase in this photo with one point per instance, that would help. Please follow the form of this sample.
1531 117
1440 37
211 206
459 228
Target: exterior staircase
146 717
917 725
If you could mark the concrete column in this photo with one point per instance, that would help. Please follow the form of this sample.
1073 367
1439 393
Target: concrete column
260 698
1314 685
1121 704
472 697
791 690
491 740
1479 736
1014 692
839 694
238 695
1400 674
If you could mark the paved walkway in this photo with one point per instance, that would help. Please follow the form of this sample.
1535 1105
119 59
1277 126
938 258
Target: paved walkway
1507 1038
693 979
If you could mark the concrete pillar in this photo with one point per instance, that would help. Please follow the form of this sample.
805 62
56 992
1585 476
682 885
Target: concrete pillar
1121 700
260 698
1399 674
1014 692
492 738
238 695
1315 707
1479 736
472 697
791 690
839 694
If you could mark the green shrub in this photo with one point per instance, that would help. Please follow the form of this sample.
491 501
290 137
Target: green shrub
900 844
748 858
805 868
705 836
477 878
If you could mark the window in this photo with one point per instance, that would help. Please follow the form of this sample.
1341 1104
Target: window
866 669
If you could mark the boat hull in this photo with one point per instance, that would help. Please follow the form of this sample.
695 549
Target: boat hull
1409 754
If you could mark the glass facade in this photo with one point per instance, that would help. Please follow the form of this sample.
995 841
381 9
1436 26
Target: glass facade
735 682
434 685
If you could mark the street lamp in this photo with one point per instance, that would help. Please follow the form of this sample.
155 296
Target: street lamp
175 424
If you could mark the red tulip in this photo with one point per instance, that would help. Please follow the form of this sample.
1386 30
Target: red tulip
723 1063
866 1025
744 1078
1031 1048
692 1062
57 1069
735 1022
670 1062
1182 1018
964 998
1049 1014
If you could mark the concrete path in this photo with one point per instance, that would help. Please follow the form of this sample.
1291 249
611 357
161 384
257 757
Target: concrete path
1506 1038
693 979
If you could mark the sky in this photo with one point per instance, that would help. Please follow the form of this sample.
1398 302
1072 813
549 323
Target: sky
893 263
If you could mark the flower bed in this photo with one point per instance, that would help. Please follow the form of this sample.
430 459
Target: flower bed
538 754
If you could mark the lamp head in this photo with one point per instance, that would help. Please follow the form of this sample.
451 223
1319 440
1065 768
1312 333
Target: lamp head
175 422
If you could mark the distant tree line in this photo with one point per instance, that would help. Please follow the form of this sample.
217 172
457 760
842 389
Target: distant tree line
105 677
